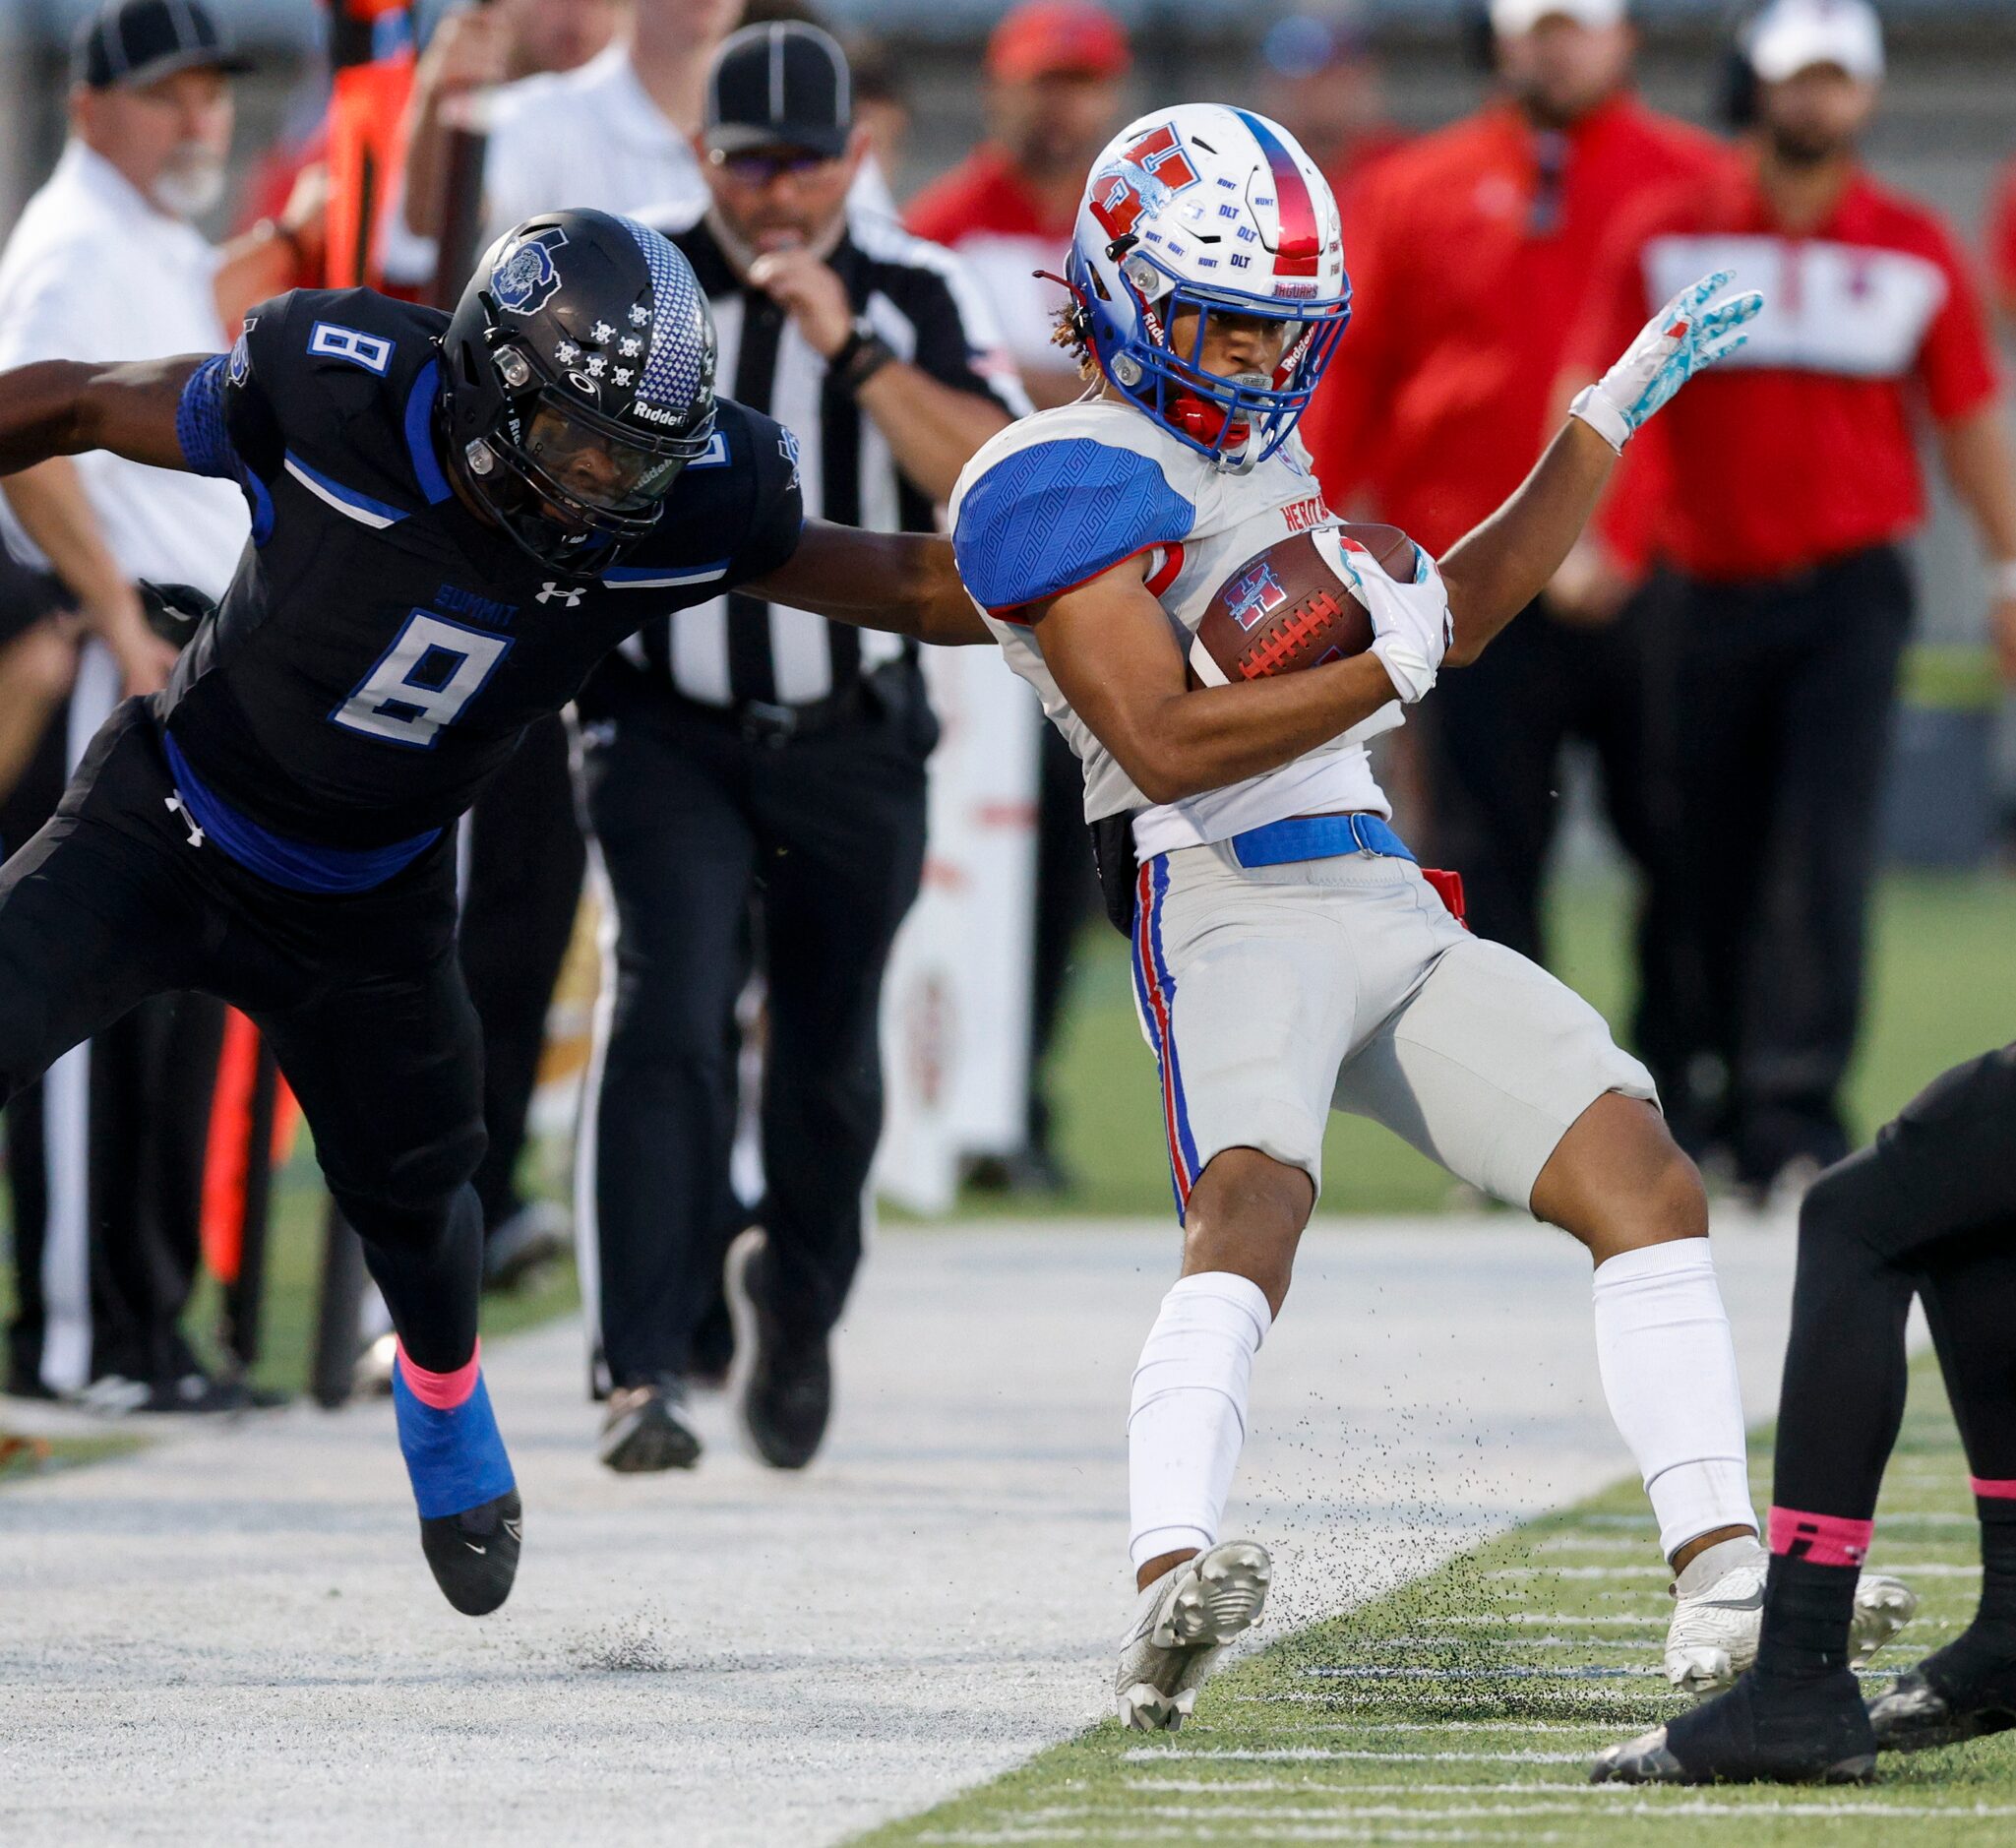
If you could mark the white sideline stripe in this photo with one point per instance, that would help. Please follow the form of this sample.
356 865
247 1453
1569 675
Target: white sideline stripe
363 515
1323 1754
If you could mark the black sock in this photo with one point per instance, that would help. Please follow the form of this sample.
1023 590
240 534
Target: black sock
1994 1622
1808 1611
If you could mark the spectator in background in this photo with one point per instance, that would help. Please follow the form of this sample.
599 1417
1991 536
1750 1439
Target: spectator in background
1321 81
2002 243
1794 478
1055 70
882 106
1470 252
105 263
615 132
1054 74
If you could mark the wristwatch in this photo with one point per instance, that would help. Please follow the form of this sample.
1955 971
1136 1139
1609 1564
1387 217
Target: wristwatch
861 356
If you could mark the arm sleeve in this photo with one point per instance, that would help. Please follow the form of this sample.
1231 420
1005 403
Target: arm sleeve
959 340
777 506
1957 364
1055 515
226 421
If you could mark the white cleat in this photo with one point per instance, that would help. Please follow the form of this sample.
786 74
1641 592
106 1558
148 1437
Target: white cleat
1713 1635
1183 1622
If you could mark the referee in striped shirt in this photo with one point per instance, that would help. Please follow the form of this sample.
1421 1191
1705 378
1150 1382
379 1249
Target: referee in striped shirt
754 778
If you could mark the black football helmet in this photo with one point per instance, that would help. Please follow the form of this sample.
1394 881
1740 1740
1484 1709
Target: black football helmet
579 381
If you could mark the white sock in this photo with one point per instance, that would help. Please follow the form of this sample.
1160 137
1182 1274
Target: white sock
1669 1373
1188 1417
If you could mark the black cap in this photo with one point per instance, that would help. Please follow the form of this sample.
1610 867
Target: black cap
785 84
139 42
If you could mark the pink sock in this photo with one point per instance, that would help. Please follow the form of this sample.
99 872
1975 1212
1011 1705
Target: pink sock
1822 1539
442 1391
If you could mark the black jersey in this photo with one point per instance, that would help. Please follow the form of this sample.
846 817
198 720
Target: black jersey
381 647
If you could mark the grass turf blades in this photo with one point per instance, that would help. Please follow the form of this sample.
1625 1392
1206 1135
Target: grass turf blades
1466 1706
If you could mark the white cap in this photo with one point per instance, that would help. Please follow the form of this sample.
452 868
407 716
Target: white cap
1794 35
1510 19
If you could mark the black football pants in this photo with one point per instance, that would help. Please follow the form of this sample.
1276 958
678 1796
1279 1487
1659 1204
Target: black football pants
1496 730
519 894
127 1149
360 997
1929 1209
1769 737
693 823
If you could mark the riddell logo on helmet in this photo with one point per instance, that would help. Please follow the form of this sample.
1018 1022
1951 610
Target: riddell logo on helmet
650 413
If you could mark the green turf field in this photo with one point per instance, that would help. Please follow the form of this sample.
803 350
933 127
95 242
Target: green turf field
1465 1709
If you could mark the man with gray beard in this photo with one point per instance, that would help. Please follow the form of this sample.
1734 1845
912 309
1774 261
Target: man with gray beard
107 1155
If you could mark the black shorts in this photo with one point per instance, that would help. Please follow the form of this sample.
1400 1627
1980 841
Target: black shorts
359 995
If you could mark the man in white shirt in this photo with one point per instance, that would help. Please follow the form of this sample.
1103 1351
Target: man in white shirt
104 262
616 134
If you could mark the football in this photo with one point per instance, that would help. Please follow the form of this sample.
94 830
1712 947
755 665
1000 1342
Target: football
1291 606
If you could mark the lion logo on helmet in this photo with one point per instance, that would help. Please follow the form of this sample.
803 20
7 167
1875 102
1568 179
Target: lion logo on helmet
527 280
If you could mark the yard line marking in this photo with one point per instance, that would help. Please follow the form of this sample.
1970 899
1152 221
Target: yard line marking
1299 1697
1523 1642
1650 1573
1323 1754
1646 1624
1260 1786
1517 1672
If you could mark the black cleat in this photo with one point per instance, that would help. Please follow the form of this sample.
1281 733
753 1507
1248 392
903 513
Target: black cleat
474 1553
1956 1693
1758 1731
789 1395
645 1429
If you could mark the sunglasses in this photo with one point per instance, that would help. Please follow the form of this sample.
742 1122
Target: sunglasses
760 169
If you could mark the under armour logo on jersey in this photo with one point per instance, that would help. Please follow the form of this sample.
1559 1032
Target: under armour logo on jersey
549 591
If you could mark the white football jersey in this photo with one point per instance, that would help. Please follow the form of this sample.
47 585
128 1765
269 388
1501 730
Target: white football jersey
1059 497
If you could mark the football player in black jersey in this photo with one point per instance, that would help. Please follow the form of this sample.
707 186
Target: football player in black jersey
452 518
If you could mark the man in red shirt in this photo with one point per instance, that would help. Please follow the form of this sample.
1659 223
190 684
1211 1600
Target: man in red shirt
1055 70
1792 479
1054 74
1470 254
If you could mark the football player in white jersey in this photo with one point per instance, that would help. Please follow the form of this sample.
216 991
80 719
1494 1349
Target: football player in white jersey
1289 957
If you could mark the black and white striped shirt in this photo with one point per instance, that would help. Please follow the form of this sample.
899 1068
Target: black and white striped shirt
737 649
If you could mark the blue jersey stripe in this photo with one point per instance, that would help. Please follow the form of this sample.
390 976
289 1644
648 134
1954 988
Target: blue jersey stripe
420 434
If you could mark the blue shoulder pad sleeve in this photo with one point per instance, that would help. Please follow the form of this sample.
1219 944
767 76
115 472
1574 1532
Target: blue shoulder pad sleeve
1055 514
200 425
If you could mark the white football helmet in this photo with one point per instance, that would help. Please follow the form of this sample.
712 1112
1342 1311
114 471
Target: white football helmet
1209 209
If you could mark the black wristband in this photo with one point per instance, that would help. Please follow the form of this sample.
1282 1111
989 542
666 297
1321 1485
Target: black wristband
861 356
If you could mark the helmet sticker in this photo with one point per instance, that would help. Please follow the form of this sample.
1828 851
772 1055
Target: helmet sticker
525 280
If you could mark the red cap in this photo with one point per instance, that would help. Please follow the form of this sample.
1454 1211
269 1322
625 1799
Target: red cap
1048 38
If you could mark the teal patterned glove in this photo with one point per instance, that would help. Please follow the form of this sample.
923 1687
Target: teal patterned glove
1684 338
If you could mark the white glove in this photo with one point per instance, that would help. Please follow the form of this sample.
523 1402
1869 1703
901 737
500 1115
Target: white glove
1684 337
1411 623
